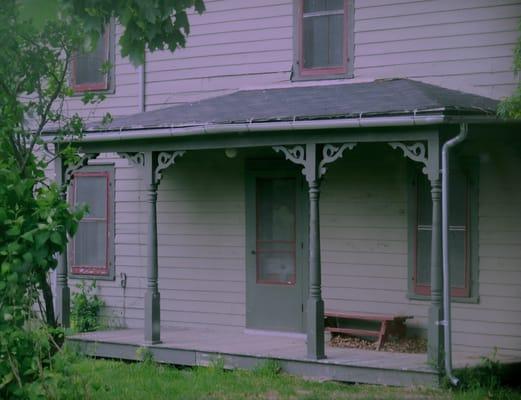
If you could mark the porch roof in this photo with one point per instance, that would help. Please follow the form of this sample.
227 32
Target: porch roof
392 97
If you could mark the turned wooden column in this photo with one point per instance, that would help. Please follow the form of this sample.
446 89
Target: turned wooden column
435 332
152 297
63 292
315 306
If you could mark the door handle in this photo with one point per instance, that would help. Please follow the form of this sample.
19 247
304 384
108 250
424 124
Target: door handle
253 252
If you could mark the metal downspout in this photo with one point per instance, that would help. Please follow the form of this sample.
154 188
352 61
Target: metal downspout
142 82
445 248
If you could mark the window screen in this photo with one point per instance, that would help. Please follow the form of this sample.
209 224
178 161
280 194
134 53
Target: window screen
276 230
458 234
88 67
323 35
90 249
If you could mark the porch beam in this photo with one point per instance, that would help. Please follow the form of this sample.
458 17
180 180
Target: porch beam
259 139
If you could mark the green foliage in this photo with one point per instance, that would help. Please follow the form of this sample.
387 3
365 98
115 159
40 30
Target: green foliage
268 369
511 106
152 24
487 375
145 355
86 308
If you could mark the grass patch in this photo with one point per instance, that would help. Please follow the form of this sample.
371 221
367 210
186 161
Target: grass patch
112 380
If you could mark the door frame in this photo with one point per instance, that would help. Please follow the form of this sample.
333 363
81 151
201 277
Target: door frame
275 168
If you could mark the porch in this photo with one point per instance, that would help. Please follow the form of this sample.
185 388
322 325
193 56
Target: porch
185 346
351 275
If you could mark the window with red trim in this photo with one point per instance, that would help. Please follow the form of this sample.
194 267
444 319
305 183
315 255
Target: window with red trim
459 235
91 249
89 69
323 35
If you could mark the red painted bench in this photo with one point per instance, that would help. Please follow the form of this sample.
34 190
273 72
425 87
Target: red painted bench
387 325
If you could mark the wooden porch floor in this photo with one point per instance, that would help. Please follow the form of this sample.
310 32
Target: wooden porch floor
191 347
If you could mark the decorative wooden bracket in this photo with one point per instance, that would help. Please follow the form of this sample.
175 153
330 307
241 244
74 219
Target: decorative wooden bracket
164 160
137 159
307 158
416 152
72 168
331 153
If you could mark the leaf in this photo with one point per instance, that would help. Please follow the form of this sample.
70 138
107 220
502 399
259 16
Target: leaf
56 238
13 231
28 236
40 12
8 378
41 238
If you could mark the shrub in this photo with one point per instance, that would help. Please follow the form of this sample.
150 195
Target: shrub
86 308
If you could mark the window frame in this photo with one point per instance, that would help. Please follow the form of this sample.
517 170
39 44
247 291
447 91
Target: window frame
468 293
108 84
91 272
299 72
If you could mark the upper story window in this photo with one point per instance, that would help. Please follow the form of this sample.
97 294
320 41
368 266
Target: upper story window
89 69
323 39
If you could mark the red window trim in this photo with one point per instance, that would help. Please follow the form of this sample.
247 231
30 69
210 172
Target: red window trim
292 282
93 270
91 86
321 71
425 290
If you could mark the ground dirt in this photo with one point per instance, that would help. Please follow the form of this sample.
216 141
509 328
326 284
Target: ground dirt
405 345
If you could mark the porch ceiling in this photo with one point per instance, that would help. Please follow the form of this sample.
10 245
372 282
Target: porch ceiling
393 97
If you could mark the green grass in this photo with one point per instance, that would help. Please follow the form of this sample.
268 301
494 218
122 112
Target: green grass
103 379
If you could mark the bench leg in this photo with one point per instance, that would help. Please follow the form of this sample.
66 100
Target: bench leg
382 335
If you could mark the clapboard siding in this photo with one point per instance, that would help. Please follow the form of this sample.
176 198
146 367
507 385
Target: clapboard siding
464 45
364 234
369 273
497 317
119 301
201 271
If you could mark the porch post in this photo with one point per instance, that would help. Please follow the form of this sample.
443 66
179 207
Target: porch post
63 292
152 298
430 158
435 333
314 168
315 306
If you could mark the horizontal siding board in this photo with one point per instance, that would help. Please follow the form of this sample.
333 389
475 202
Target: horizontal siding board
447 54
266 66
249 58
425 7
430 44
437 18
440 31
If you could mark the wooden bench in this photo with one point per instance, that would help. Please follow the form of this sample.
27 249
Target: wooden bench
387 325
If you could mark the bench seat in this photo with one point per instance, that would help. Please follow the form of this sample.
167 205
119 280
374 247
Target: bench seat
387 325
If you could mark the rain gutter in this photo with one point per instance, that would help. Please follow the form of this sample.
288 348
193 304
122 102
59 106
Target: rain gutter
137 133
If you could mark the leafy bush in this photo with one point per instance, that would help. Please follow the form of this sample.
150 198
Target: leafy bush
86 308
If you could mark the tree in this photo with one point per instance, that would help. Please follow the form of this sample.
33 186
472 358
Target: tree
152 24
38 39
511 106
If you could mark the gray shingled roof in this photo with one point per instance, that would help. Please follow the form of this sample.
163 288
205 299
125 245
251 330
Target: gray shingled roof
378 98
